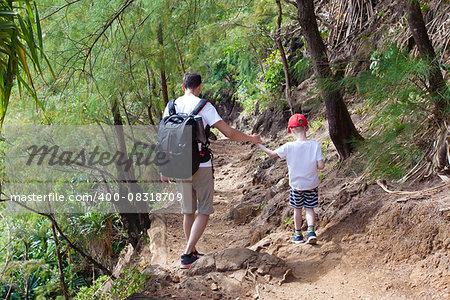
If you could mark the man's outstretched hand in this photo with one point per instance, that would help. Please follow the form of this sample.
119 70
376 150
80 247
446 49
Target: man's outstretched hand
256 139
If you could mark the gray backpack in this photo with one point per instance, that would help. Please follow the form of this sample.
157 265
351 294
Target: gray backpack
179 138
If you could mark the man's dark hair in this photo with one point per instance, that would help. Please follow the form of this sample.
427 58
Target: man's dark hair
191 80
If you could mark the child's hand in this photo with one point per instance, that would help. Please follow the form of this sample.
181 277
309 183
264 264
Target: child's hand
268 151
260 146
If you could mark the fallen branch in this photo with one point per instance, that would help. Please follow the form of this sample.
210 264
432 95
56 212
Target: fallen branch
254 280
382 184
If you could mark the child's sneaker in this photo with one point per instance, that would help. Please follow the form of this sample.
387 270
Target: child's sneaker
297 238
311 237
187 260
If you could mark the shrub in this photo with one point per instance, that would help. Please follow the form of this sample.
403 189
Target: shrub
397 98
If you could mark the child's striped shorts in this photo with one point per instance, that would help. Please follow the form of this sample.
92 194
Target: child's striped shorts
308 198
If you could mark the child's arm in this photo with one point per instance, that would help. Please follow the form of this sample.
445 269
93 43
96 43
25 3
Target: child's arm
268 151
320 165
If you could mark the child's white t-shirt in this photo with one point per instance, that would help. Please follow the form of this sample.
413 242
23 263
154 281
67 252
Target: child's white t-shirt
301 158
186 104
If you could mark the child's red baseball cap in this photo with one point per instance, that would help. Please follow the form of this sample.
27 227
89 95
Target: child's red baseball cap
297 120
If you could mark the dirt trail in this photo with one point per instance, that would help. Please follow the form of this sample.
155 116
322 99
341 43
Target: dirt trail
345 264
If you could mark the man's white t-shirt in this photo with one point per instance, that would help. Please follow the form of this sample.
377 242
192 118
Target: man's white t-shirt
186 104
301 158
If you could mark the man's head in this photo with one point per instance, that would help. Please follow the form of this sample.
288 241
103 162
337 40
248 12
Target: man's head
298 123
191 81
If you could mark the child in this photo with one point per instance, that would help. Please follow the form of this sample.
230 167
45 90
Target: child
304 157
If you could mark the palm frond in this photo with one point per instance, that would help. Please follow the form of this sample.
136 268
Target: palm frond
20 44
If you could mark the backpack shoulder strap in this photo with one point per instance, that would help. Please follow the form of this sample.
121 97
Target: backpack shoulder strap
199 106
171 107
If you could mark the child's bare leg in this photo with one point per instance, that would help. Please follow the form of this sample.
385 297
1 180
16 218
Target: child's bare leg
298 218
310 216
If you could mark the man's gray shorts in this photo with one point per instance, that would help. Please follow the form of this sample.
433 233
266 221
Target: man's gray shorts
198 193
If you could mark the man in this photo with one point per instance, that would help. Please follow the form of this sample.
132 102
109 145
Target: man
198 193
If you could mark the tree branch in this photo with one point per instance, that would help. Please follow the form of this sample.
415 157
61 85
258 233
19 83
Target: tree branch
291 2
283 56
58 9
103 30
71 244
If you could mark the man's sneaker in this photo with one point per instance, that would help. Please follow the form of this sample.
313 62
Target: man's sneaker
197 254
311 238
187 260
297 238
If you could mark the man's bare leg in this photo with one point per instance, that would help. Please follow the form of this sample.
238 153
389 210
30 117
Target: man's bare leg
188 220
197 229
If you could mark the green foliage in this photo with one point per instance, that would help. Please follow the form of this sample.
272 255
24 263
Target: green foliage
28 246
317 124
238 57
379 60
424 7
302 69
324 148
130 281
263 205
92 292
396 96
274 73
324 34
2 159
320 175
287 221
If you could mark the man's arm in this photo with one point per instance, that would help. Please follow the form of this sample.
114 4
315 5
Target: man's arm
268 151
235 134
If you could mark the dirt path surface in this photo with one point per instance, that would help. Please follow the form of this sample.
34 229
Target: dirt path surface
358 255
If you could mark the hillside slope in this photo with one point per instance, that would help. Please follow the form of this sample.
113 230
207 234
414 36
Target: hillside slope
372 245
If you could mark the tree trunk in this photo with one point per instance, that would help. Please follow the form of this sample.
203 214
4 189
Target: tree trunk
342 130
60 264
180 56
135 217
150 88
162 73
75 247
149 114
283 57
163 78
71 245
419 32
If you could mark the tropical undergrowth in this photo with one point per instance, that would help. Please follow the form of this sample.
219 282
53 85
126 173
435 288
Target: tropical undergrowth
400 113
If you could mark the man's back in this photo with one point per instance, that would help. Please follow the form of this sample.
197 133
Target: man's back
187 103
